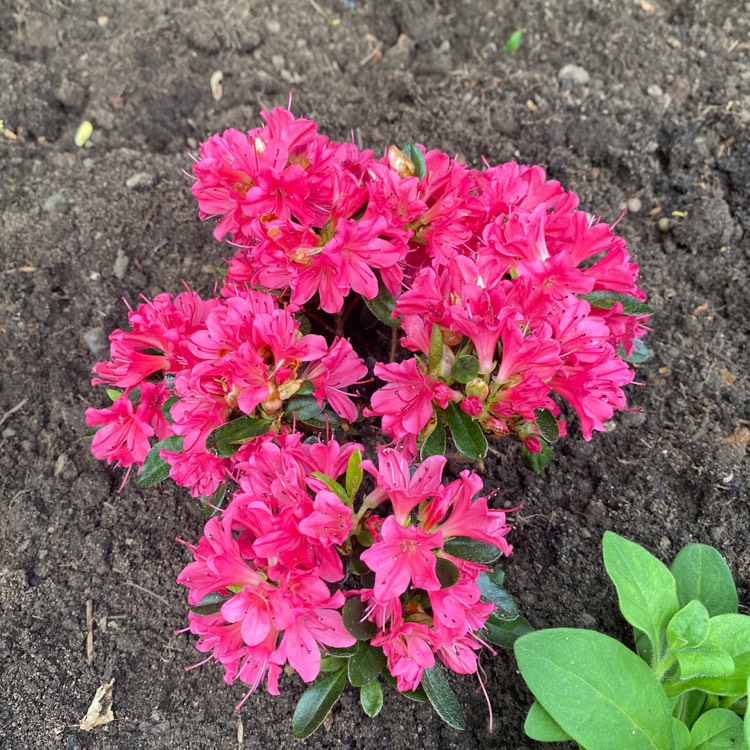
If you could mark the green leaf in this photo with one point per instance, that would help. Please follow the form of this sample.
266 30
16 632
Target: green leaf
466 433
547 425
705 660
447 573
333 485
210 604
540 726
689 627
343 651
442 697
417 695
680 735
382 307
226 440
639 354
414 154
166 408
354 474
305 326
717 729
155 469
470 549
601 693
645 587
465 368
306 410
503 631
492 591
434 445
211 506
366 664
371 698
702 573
514 41
316 702
355 619
329 663
536 461
114 394
436 348
607 300
747 718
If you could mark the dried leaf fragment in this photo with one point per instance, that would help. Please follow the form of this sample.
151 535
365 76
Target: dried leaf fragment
726 376
100 710
741 437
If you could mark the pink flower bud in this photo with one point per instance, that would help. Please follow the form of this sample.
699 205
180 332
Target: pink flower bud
472 405
496 426
533 445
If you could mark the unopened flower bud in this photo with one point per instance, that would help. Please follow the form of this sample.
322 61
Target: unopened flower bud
477 387
533 445
496 426
400 162
472 405
289 388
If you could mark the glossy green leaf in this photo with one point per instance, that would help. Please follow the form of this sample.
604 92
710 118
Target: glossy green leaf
166 408
434 445
371 698
417 695
505 631
465 368
382 307
435 356
547 425
211 505
540 726
470 549
329 663
354 473
342 651
514 41
607 300
645 587
536 461
305 409
447 572
155 469
442 697
717 729
316 702
601 693
366 664
226 440
492 591
702 573
210 604
416 157
355 619
689 627
639 354
466 433
333 486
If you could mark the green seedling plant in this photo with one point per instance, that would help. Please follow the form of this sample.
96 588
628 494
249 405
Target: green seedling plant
684 688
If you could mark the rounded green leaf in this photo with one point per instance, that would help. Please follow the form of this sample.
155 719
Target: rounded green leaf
155 469
210 604
689 627
547 425
355 619
717 729
680 734
470 549
316 702
494 592
601 693
504 631
536 461
540 726
702 573
366 664
465 368
434 444
371 698
645 587
447 572
226 440
354 473
382 306
466 433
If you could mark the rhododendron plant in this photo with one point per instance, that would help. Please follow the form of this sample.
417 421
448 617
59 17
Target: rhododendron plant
340 543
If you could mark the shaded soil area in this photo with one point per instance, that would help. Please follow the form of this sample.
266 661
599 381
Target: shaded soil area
638 105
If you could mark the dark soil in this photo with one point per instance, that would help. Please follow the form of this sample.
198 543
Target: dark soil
655 118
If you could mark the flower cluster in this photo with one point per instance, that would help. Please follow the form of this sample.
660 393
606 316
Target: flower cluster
509 300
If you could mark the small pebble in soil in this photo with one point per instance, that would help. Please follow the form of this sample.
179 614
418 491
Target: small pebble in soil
575 74
140 181
634 205
96 341
53 202
120 267
655 91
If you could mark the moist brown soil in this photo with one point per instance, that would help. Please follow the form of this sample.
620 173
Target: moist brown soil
654 117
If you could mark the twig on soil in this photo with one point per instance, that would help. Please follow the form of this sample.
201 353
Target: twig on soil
394 344
12 411
148 591
89 631
240 733
319 10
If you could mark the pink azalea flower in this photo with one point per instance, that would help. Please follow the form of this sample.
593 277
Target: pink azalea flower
403 555
408 651
330 522
123 434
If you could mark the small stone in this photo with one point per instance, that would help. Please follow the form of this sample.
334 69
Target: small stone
96 341
273 26
634 205
139 181
53 202
121 264
60 464
250 40
9 432
278 61
575 74
665 542
664 224
655 91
